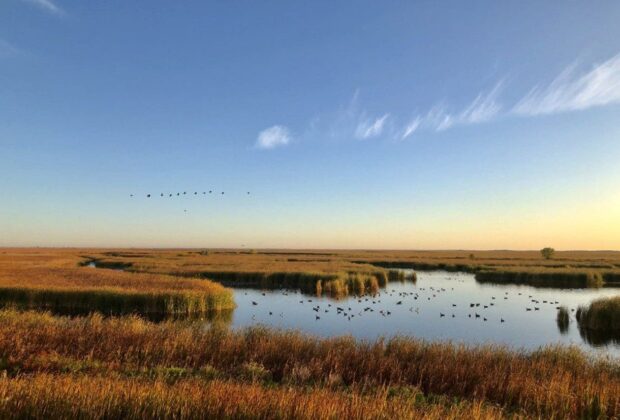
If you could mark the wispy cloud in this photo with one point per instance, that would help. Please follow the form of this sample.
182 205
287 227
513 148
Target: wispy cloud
483 108
7 49
411 127
369 127
272 137
349 121
48 6
571 92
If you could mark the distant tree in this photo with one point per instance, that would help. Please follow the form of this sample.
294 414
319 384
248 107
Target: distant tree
547 253
472 256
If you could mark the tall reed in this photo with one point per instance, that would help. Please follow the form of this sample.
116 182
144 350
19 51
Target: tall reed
601 315
543 278
70 396
553 382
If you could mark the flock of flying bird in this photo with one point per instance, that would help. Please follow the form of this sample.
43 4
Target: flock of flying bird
181 194
367 305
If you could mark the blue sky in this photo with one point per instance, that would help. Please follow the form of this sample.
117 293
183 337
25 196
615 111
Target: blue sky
354 125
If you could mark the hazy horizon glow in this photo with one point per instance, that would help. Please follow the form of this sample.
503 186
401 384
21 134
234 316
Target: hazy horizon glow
389 125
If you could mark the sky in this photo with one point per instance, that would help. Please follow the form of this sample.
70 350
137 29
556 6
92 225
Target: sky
361 124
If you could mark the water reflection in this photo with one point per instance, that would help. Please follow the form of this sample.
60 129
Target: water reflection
440 306
600 338
563 320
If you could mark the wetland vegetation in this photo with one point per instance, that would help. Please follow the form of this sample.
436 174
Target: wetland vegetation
125 365
601 315
550 382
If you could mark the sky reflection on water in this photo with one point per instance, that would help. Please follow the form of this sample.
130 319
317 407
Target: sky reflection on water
436 292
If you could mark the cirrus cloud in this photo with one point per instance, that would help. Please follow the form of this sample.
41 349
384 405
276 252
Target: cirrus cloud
571 92
368 128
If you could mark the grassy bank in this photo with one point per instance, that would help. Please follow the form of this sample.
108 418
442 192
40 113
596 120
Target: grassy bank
566 269
555 382
421 265
117 301
61 285
74 396
543 278
336 285
601 315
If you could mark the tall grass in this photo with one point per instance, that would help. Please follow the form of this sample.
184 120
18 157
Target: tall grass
116 301
336 285
566 269
345 284
59 285
601 315
423 265
70 396
543 278
554 382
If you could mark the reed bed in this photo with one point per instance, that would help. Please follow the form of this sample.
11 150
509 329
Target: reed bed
566 269
115 301
554 382
601 315
72 396
544 278
336 285
60 285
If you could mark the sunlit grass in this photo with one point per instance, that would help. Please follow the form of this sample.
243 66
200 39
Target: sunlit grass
554 382
601 315
59 284
74 396
565 269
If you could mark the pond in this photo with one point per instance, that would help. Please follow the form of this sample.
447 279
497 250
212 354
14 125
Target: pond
437 307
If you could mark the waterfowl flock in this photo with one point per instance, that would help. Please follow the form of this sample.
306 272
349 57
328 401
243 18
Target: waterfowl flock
413 306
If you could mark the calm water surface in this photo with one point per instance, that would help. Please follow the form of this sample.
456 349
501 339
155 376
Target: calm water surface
437 292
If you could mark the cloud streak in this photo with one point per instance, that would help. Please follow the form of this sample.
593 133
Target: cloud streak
272 137
48 6
570 92
482 108
411 127
368 128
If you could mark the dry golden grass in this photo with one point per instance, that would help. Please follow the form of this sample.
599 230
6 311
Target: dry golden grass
553 382
566 266
55 281
601 315
281 268
46 396
98 367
